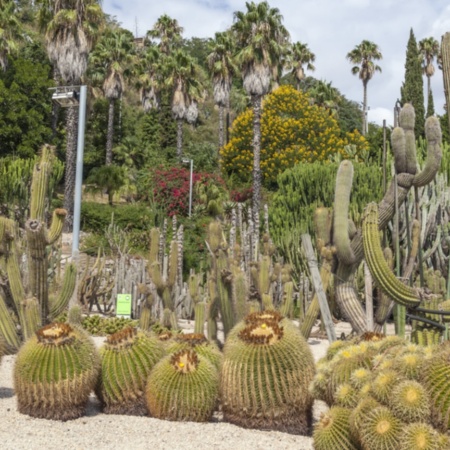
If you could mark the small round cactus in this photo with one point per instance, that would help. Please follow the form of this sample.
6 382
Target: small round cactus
380 430
420 436
332 430
54 373
266 371
410 402
183 386
127 358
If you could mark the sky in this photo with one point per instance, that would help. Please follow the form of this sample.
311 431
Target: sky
330 28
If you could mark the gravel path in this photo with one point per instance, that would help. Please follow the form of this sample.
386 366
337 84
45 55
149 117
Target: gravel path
102 431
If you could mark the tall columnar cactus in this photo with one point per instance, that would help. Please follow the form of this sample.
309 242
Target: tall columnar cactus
33 304
54 373
183 386
350 250
127 358
266 371
165 281
445 53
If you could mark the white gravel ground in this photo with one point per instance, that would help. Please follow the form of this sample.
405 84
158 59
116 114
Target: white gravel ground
102 431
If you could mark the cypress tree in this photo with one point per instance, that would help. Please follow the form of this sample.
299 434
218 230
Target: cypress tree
430 104
412 88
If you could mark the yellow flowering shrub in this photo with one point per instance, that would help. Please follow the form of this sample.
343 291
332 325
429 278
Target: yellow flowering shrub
292 131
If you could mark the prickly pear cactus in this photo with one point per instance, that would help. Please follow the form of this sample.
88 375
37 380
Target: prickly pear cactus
266 371
54 373
127 358
183 386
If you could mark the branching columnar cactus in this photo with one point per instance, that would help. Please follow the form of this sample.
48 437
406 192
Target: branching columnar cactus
54 373
183 386
379 268
33 304
127 358
266 371
349 247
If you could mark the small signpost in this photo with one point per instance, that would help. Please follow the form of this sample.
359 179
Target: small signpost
123 305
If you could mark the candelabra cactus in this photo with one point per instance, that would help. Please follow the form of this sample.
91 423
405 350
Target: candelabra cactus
54 373
127 358
33 304
266 371
350 247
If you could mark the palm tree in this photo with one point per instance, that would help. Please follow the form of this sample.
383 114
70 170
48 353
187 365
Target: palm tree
326 96
262 41
300 55
148 76
71 27
428 49
182 74
168 31
364 54
111 59
10 31
222 69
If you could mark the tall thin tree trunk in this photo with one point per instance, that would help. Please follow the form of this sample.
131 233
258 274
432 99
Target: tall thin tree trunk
70 166
256 103
221 127
364 114
179 137
227 122
110 133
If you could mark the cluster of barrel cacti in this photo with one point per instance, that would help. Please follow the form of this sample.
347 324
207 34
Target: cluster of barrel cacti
34 303
261 379
384 393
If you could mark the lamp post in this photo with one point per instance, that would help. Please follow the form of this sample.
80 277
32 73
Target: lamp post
191 173
67 96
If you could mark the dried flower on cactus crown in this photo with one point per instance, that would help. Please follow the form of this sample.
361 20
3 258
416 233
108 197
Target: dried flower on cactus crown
262 332
55 334
192 339
185 361
371 336
122 338
268 314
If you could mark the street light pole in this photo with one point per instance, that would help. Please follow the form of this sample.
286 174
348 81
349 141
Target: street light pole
191 176
79 172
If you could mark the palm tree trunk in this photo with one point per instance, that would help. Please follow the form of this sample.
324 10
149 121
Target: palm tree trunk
364 114
256 103
227 122
221 127
110 133
179 137
70 165
428 88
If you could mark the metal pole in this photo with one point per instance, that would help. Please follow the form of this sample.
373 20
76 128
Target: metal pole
191 173
79 172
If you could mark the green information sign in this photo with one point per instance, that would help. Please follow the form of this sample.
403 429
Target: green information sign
123 305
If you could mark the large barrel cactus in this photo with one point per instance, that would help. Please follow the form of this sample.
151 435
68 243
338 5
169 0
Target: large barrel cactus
183 386
54 373
266 371
126 361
